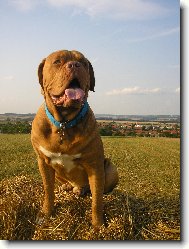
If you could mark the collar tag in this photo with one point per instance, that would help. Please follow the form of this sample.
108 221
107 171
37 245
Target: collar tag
63 126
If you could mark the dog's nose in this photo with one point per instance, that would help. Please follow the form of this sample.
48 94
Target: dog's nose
73 64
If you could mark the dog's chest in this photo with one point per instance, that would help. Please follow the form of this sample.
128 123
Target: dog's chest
67 161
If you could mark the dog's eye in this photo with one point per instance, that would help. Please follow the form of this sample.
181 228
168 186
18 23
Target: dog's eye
57 62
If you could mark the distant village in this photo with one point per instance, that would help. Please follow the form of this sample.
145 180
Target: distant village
139 129
140 126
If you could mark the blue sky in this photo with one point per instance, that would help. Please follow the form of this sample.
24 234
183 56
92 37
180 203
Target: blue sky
133 45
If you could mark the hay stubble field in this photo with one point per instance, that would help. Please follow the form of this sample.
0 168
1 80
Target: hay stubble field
145 205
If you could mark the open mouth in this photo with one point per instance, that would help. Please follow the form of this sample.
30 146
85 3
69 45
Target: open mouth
73 92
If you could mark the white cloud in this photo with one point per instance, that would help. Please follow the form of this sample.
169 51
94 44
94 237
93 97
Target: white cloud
134 90
119 9
127 9
142 91
24 5
8 77
157 35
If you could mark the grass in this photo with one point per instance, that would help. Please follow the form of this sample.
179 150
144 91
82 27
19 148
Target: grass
144 206
17 156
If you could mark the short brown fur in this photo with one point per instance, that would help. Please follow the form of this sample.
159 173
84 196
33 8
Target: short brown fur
91 169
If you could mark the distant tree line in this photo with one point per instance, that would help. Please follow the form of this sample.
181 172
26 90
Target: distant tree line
23 127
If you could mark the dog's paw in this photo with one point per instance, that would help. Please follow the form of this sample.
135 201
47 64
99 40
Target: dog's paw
67 187
97 226
81 191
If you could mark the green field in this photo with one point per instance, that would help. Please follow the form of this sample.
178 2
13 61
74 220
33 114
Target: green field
144 206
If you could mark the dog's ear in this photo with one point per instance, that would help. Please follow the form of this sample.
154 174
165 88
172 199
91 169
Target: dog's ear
92 77
40 74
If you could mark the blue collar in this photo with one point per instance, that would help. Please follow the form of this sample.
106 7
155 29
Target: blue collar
71 123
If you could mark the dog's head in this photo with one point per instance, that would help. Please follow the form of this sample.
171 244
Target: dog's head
66 77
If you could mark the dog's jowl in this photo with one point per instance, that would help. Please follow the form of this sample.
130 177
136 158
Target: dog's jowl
65 134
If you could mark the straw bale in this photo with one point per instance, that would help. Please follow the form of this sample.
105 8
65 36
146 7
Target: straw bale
127 217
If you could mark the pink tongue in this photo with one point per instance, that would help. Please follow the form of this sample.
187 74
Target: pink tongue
75 93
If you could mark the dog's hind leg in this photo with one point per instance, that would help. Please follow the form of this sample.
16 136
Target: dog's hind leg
111 175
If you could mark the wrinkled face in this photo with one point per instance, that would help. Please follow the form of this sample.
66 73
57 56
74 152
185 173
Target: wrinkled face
66 77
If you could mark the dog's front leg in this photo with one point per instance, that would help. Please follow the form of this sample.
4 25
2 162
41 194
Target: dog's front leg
96 181
48 177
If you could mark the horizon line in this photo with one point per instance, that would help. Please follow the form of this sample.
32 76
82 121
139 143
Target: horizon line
105 114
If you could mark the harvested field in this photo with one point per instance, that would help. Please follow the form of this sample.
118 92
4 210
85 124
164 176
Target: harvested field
144 206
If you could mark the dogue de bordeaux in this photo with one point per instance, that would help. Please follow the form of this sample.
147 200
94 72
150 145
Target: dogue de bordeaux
65 134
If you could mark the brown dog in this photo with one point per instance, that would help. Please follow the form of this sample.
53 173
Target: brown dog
65 134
